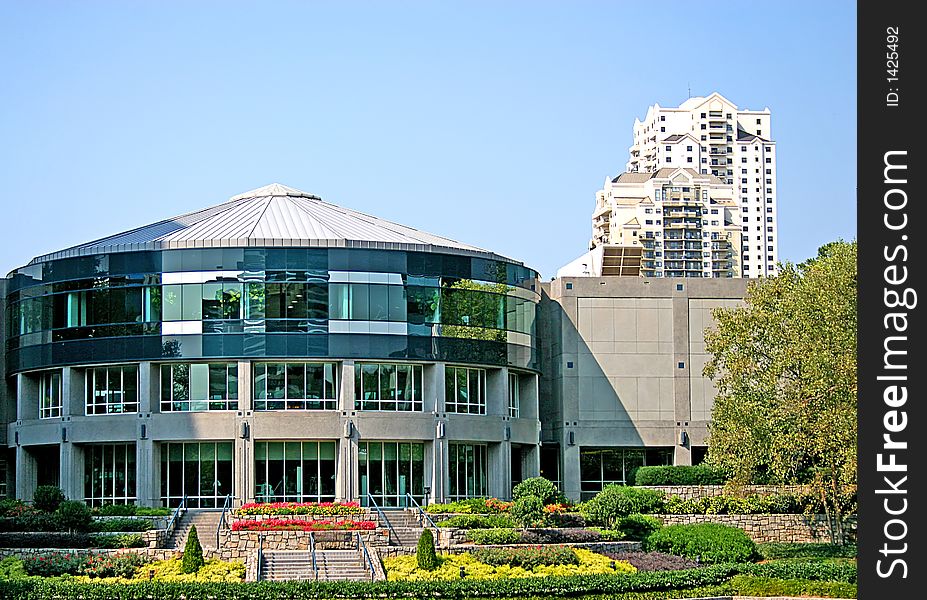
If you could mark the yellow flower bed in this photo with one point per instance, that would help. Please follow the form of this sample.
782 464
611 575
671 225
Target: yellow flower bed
170 570
405 568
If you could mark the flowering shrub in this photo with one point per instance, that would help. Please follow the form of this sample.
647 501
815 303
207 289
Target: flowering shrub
471 506
558 508
298 525
405 568
327 509
54 564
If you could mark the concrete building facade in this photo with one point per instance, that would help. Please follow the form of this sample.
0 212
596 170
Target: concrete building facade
622 382
279 348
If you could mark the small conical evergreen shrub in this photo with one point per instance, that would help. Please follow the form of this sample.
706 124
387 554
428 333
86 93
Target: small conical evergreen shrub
192 553
425 552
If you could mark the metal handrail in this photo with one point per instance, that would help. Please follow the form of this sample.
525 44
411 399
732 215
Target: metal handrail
315 567
260 558
225 508
362 546
176 516
421 511
382 515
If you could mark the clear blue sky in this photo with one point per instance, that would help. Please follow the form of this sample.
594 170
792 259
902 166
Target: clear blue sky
493 123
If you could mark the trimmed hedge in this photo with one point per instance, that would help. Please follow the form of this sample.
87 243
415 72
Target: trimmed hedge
494 536
706 542
68 540
771 551
679 475
478 522
747 585
616 502
726 504
126 524
656 581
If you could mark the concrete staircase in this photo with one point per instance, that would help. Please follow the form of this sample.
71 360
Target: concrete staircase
406 526
333 565
206 521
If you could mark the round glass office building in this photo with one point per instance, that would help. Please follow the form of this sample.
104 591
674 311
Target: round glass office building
273 348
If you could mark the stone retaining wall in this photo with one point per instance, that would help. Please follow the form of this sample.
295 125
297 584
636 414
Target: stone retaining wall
237 545
769 528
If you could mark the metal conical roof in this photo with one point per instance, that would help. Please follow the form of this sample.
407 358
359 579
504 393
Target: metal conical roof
272 216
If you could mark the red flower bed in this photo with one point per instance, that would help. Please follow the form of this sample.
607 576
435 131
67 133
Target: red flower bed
299 525
300 508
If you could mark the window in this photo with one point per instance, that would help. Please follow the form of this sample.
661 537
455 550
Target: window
769 238
199 386
769 219
769 257
662 117
688 159
769 190
367 302
746 219
467 470
704 137
769 229
669 159
769 148
648 211
648 222
769 248
769 171
390 470
294 471
743 159
663 130
465 390
599 467
759 121
295 386
688 148
703 115
50 395
514 399
112 390
201 472
392 387
109 474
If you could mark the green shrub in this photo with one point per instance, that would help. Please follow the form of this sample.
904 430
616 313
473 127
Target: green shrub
494 536
773 551
641 585
116 510
425 552
748 585
108 540
192 553
47 498
153 511
527 558
618 501
126 524
679 475
638 527
706 542
476 506
539 487
608 535
528 511
74 515
478 522
12 568
727 504
10 507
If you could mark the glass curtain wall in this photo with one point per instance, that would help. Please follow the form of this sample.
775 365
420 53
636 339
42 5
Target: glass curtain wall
201 471
199 386
599 467
112 390
466 465
50 395
109 474
390 470
295 386
294 471
388 387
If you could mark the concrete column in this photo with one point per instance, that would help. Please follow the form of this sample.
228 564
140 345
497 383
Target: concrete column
27 398
346 387
71 470
25 473
347 479
499 466
147 482
148 386
434 387
570 467
439 482
73 394
243 461
497 392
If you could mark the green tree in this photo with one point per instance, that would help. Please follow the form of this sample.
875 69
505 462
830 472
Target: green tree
528 511
785 368
425 554
192 553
